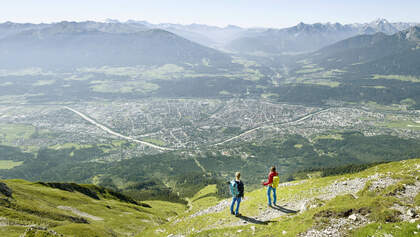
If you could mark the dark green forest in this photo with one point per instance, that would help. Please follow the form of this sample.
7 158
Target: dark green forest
163 176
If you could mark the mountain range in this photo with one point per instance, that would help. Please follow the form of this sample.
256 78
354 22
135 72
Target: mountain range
76 44
374 54
225 83
309 37
354 50
300 38
123 37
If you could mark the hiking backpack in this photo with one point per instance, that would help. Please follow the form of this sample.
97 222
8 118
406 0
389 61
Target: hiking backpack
234 188
276 181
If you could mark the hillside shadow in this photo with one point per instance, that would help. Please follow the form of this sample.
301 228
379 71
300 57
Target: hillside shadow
253 220
285 210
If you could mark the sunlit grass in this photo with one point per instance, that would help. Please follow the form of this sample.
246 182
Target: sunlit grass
329 136
44 83
217 224
269 95
154 141
37 204
402 124
309 70
123 86
397 77
9 164
10 133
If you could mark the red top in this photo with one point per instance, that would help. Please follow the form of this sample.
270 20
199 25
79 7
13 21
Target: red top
270 178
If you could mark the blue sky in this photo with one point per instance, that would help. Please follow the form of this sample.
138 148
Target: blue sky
248 13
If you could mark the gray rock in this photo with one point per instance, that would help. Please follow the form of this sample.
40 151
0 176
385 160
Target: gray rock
411 213
353 217
5 190
214 209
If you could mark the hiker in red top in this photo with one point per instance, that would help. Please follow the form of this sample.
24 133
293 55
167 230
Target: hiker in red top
271 187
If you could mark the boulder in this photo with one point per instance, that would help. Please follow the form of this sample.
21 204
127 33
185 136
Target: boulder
411 213
353 217
5 190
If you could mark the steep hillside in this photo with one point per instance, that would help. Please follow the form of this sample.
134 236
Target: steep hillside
379 201
379 67
57 209
379 53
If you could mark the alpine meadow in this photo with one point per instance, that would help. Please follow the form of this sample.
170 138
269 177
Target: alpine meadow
233 119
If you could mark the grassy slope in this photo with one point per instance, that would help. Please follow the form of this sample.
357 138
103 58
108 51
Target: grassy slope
377 204
36 204
9 164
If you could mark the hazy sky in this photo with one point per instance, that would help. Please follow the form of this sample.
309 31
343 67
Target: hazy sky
248 13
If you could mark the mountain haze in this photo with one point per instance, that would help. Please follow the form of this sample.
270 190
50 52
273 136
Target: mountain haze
71 45
300 38
134 129
309 37
139 42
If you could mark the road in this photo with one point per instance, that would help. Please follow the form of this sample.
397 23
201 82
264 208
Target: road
266 126
108 130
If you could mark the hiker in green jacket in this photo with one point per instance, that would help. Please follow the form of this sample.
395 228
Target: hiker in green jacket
237 190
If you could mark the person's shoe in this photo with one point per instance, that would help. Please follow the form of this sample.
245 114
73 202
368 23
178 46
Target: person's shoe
232 213
275 204
269 205
238 214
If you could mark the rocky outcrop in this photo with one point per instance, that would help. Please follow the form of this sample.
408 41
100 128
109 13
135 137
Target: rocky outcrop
5 190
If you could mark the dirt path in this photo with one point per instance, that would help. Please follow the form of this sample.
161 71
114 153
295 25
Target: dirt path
189 205
80 213
213 209
298 205
199 165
